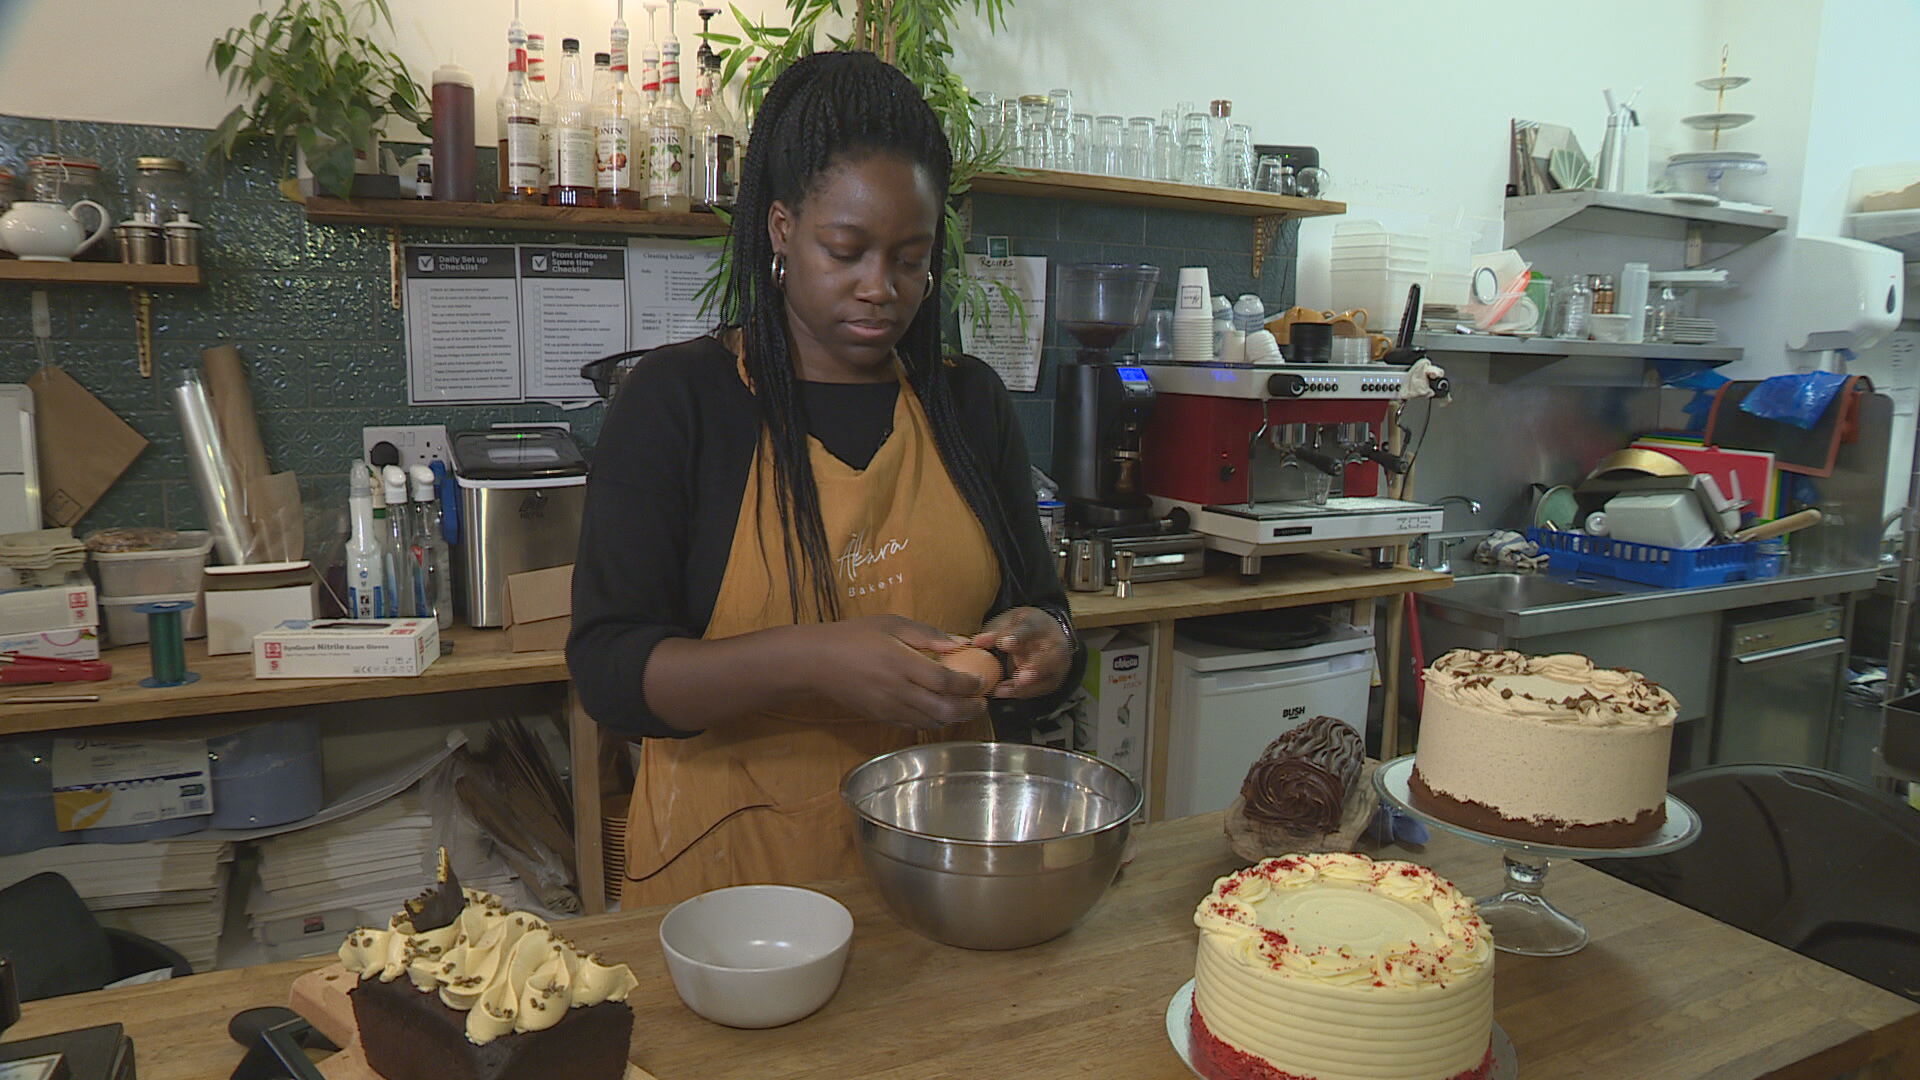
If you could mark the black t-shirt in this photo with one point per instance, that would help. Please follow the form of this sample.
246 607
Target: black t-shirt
664 495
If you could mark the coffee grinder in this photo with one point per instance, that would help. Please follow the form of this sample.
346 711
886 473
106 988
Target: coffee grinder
1101 405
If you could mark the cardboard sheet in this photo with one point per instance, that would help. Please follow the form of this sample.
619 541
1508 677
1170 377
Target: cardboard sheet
84 446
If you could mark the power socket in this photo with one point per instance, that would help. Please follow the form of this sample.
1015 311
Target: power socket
420 444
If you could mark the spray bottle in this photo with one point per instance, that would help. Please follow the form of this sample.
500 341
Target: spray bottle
400 530
650 64
433 576
364 573
389 565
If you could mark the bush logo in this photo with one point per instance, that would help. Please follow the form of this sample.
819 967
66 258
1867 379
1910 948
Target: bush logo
1127 662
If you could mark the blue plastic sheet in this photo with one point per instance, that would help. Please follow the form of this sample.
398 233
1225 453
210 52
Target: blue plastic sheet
1703 381
1800 400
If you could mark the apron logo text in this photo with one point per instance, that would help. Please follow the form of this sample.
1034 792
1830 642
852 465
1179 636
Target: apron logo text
854 559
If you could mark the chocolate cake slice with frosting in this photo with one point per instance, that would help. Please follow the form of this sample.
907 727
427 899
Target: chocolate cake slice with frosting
459 988
1306 792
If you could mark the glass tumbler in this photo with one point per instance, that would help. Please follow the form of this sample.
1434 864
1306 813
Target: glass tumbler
1033 131
1010 133
1136 151
1082 136
1156 337
1197 159
1166 153
1266 175
1108 136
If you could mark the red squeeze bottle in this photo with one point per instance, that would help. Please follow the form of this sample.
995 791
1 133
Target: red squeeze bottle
454 169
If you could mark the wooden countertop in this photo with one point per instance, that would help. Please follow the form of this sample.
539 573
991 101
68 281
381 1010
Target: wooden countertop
481 660
1661 993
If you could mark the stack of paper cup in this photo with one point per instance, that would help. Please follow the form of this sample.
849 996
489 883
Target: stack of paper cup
1193 317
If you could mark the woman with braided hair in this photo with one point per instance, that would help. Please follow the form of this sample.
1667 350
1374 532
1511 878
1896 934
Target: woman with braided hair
790 519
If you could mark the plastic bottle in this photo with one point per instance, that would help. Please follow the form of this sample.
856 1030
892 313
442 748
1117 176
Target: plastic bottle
400 533
620 176
1631 300
542 93
1577 305
365 575
433 575
570 151
667 133
455 173
1249 313
389 545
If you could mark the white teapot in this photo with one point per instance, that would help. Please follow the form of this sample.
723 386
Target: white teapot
48 231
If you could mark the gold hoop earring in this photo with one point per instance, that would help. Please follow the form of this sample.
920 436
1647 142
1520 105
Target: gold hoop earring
780 270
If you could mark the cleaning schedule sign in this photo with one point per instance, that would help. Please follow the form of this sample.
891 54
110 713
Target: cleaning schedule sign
492 323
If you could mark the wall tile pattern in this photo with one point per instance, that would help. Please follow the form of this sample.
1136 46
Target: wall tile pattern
308 307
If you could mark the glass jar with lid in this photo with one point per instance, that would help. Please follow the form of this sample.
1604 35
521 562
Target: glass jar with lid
6 189
64 179
160 188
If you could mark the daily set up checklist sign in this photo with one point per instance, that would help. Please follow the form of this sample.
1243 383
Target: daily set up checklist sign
502 323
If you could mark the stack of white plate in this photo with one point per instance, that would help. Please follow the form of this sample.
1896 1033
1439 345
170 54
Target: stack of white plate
1193 317
1689 330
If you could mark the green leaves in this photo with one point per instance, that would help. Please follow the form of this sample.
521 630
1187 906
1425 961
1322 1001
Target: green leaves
317 80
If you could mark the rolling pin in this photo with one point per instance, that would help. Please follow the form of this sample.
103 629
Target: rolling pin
1778 527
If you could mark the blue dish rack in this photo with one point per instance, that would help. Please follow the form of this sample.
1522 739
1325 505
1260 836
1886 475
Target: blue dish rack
1651 564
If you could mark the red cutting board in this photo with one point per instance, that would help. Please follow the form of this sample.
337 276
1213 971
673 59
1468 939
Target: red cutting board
1759 481
321 997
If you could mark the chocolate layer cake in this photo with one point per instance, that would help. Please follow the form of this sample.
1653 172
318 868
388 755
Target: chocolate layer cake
408 1035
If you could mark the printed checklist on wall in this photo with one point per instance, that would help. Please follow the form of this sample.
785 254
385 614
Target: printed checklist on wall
504 323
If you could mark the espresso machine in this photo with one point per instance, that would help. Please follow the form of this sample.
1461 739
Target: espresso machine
1101 409
1275 459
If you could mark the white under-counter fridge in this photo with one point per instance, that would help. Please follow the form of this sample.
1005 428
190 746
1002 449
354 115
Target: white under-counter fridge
1229 703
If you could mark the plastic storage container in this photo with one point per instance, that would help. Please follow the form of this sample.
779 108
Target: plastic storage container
266 775
26 797
125 626
166 572
1373 267
1650 564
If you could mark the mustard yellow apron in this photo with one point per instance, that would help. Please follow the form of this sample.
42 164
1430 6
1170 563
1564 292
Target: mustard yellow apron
758 800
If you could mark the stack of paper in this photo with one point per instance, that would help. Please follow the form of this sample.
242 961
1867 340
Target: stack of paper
318 883
172 891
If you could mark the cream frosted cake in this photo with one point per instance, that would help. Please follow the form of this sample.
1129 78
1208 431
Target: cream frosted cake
457 987
1338 967
1544 748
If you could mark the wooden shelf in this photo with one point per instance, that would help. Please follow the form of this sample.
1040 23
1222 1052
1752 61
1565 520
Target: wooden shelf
425 213
99 273
1497 345
1156 194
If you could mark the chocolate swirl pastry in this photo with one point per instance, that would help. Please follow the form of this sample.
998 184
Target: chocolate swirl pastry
1302 779
439 905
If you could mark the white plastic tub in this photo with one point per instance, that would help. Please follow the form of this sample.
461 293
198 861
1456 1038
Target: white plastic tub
164 572
125 626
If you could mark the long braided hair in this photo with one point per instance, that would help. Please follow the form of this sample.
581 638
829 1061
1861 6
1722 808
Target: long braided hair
821 112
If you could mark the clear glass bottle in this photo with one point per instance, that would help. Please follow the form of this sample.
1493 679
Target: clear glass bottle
602 76
570 150
620 179
1573 309
668 130
542 92
1603 294
523 164
715 165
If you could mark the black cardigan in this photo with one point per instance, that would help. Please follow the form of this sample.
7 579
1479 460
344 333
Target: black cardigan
668 477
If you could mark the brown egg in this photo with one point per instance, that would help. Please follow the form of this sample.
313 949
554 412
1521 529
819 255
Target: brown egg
976 661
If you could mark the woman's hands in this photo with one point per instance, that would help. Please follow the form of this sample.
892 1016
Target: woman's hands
1036 644
869 666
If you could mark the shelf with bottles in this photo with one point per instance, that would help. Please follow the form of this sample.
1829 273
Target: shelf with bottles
1499 345
425 213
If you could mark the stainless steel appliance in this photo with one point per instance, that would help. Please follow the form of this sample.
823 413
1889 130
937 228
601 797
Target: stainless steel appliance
522 491
1780 675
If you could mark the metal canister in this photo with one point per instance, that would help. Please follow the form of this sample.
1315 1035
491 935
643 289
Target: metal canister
183 241
141 242
1088 565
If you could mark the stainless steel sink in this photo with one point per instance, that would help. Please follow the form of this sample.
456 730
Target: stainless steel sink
1517 592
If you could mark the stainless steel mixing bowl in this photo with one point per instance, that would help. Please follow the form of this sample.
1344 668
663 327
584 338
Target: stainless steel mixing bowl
990 845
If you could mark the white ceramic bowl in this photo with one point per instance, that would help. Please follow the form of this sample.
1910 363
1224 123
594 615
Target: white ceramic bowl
756 956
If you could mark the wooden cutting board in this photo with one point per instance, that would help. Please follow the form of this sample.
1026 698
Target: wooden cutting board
321 997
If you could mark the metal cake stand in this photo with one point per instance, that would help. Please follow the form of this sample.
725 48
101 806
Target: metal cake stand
1523 920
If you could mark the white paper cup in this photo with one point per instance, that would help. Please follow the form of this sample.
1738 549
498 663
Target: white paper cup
1194 292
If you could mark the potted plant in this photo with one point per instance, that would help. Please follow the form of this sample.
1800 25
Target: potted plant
319 85
914 36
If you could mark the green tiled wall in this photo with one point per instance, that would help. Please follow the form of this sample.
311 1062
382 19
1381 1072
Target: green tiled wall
308 307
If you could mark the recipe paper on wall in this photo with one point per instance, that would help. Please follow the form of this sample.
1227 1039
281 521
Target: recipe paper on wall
998 336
